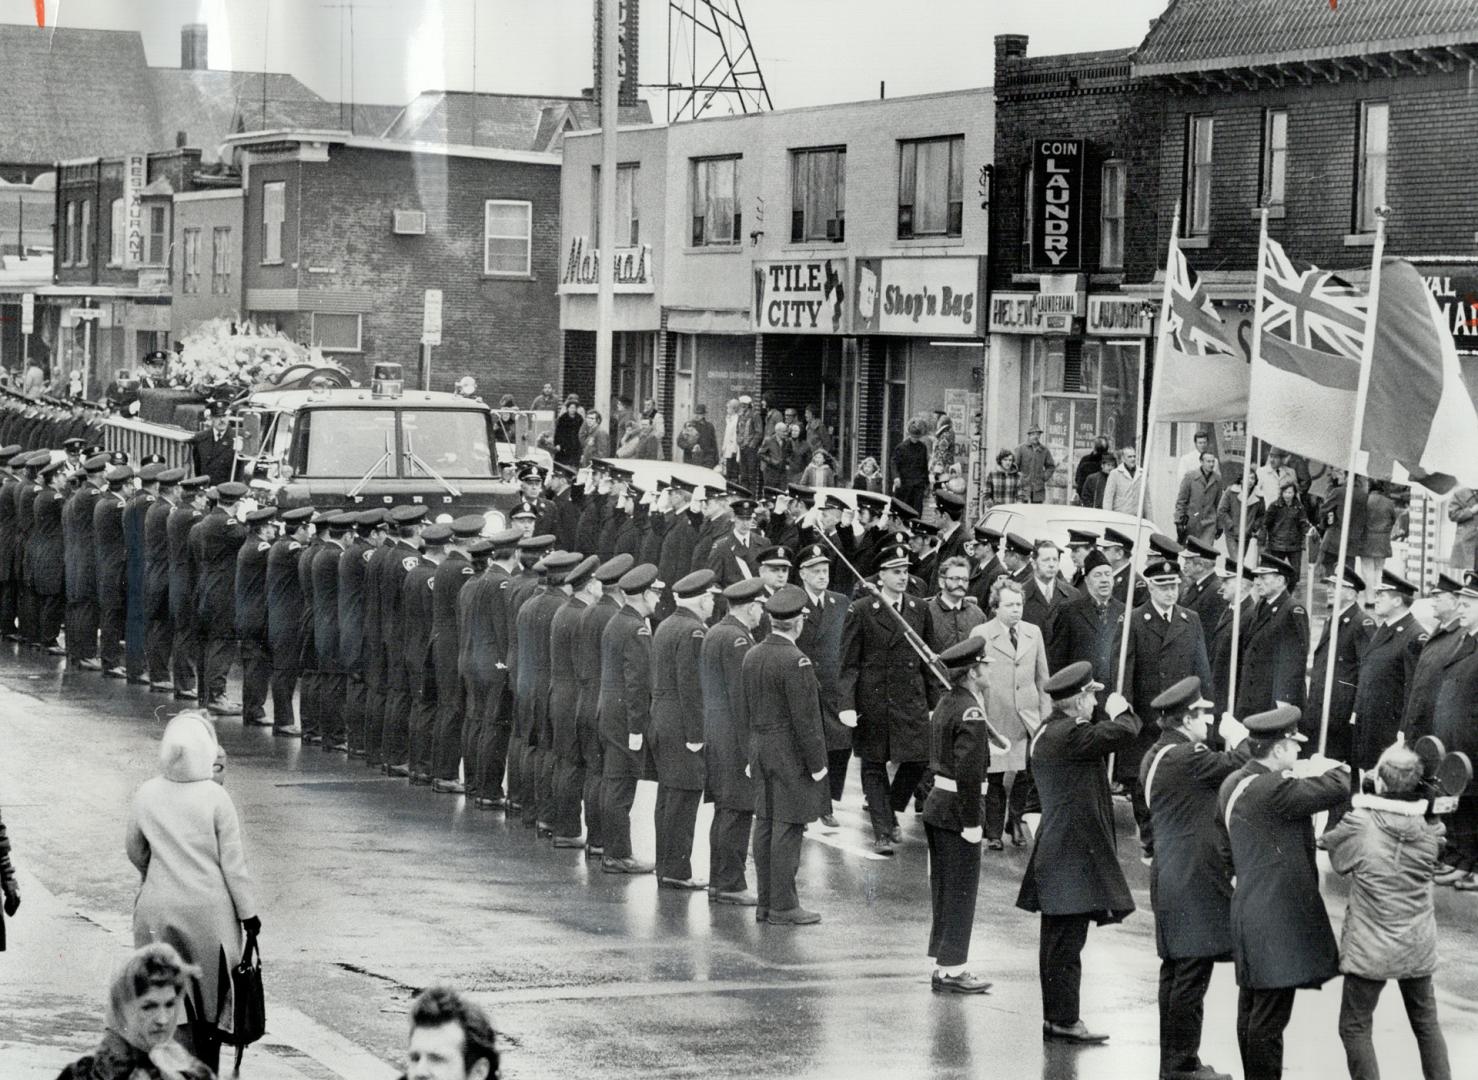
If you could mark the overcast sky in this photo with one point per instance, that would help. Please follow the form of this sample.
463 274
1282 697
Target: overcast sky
811 51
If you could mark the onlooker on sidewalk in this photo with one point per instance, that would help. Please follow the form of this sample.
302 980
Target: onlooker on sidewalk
1388 849
1089 465
869 476
1284 527
451 1039
146 1002
8 886
1003 484
1121 489
910 463
1090 491
185 839
1036 464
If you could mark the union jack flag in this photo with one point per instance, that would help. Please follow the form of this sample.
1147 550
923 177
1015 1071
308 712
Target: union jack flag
1311 308
1194 327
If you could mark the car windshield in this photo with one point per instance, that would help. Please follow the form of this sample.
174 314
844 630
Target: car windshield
348 442
453 442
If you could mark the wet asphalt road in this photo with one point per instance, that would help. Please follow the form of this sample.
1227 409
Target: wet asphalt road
371 890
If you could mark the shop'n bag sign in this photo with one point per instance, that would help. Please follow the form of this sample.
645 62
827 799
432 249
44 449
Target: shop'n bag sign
1057 204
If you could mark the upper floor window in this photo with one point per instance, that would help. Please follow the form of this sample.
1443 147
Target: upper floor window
1370 183
336 333
190 278
71 250
1111 216
84 233
1028 203
628 226
931 186
1198 176
713 193
117 233
508 227
220 260
274 212
1274 156
156 241
818 195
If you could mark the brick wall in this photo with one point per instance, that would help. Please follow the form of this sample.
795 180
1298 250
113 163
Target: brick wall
1430 182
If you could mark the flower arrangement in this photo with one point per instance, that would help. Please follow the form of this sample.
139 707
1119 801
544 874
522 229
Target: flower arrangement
223 358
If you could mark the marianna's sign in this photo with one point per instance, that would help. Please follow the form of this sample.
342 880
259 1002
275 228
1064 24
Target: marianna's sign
633 269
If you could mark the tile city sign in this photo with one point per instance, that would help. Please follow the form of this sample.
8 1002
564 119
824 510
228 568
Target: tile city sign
800 297
1057 204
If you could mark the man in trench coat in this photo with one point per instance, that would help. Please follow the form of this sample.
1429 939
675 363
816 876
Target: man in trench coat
1073 876
1281 939
1355 630
1386 671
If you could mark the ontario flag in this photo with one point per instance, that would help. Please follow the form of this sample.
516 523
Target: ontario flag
1203 376
1306 370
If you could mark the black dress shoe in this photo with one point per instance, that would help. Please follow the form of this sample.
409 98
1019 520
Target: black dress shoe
1073 1033
995 845
137 680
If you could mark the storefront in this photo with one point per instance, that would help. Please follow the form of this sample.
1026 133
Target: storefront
636 322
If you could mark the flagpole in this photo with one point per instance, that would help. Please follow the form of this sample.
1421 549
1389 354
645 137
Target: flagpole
1257 316
1362 391
1144 461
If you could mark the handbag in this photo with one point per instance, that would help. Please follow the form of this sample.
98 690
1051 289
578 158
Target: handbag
248 1001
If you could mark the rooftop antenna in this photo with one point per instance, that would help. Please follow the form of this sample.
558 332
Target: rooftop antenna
711 60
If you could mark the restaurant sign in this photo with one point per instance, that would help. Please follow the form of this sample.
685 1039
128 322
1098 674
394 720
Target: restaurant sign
633 268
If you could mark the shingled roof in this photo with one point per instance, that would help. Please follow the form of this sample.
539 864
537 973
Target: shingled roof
209 105
1212 35
500 121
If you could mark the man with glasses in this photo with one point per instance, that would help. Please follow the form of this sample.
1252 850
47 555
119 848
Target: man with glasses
1281 938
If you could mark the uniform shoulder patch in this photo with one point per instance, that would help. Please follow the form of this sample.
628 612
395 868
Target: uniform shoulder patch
741 641
504 583
699 634
1367 623
369 552
466 570
1423 637
973 715
431 583
293 545
804 661
409 564
1200 748
643 631
262 545
1184 617
1298 609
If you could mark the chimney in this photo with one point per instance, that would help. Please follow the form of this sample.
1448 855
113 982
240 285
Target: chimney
626 49
193 56
1008 47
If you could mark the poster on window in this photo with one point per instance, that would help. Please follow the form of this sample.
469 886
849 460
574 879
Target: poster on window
926 296
806 296
1057 204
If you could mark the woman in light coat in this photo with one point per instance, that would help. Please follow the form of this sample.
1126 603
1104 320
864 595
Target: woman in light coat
1015 705
185 839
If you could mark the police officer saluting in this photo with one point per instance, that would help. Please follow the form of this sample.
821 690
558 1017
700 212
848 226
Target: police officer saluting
959 755
1190 889
1074 877
1281 939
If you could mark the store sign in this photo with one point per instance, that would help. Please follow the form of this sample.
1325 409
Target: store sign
1057 203
1119 316
935 297
135 179
28 313
1013 313
1061 300
1457 299
431 317
802 297
626 50
633 268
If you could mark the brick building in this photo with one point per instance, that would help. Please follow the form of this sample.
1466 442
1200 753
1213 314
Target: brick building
206 263
345 234
1077 165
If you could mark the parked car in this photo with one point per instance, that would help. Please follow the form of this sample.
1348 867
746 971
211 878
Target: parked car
1051 521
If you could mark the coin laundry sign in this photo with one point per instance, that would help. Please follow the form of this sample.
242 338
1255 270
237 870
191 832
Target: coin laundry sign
1057 203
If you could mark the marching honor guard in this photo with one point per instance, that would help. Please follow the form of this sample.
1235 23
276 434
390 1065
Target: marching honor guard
1190 888
787 757
677 727
959 755
1386 671
1355 630
588 675
821 640
251 614
1073 877
1281 938
220 538
625 713
159 635
564 701
285 618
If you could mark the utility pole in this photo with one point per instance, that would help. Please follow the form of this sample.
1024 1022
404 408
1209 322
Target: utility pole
605 304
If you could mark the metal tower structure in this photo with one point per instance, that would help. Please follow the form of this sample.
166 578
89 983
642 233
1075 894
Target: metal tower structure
711 62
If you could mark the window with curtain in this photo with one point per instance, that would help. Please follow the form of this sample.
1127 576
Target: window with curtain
190 278
1274 155
156 247
84 233
220 260
1370 186
508 226
818 195
274 212
714 198
628 224
117 233
1198 176
1111 216
931 187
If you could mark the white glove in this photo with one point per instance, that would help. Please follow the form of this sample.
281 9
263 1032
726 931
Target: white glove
848 717
1231 730
972 835
818 775
694 746
746 770
501 667
633 742
604 487
664 502
1116 705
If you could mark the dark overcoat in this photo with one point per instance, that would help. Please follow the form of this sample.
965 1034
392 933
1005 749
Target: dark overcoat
1204 598
1455 716
1386 672
1074 869
1221 651
626 693
1355 630
251 589
326 605
110 551
675 560
787 745
415 630
156 558
821 640
734 560
1444 649
181 568
677 701
564 684
284 601
1087 632
48 565
725 719
1161 653
587 668
1280 930
221 537
353 568
882 679
1275 648
451 577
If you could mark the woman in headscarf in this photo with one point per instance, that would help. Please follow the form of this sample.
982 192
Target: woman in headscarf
145 1006
185 839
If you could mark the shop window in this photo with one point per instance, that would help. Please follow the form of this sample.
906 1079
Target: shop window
931 187
818 195
1274 155
156 242
714 197
336 333
84 232
117 233
220 260
1198 176
1370 185
628 225
191 258
1111 216
274 212
508 228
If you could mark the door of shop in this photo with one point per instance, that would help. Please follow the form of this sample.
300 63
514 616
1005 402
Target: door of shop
839 392
1069 426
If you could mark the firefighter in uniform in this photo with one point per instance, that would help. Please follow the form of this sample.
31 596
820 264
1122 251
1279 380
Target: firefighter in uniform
48 566
1386 671
821 640
532 631
112 559
528 581
186 662
360 543
8 584
251 614
136 617
487 650
1281 938
782 702
221 536
677 726
454 573
1355 630
416 617
588 675
564 701
310 688
405 556
332 677
735 557
373 660
1275 644
625 713
159 633
285 617
1073 877
1190 888
479 550
25 504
